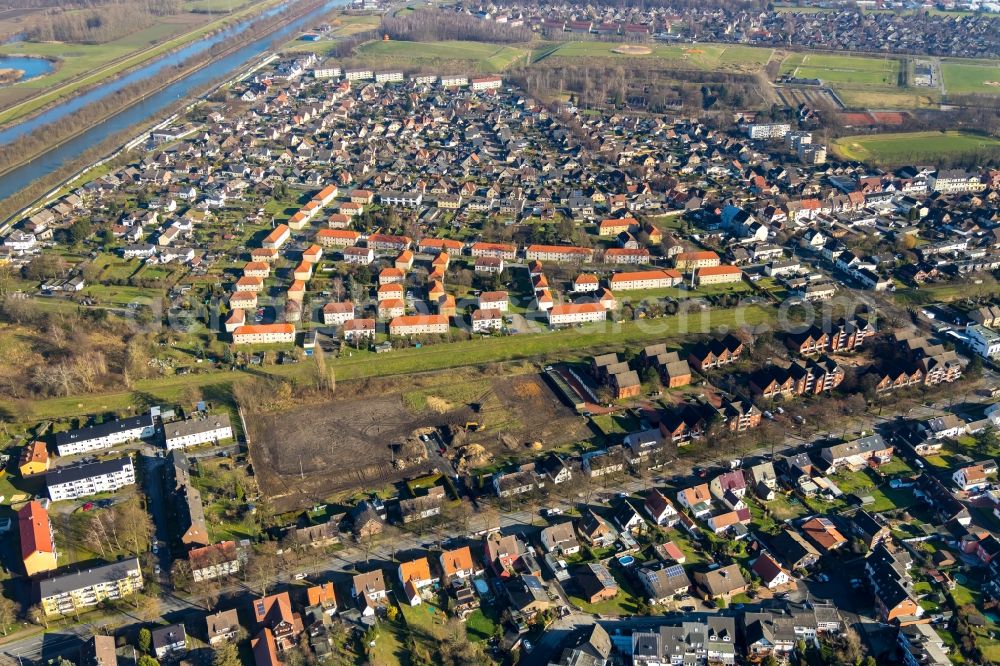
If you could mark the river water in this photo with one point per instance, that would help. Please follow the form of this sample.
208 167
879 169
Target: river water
149 106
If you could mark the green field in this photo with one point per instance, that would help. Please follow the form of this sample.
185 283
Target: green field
843 69
567 343
706 57
487 57
911 147
83 65
964 78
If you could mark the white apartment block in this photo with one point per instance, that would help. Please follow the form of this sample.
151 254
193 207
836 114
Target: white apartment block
419 325
89 478
326 72
564 315
105 435
487 83
388 77
984 341
264 334
200 430
359 74
768 130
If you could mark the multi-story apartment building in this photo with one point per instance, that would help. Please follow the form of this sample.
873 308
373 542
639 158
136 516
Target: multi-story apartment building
577 313
89 478
105 435
495 250
634 281
768 130
558 253
38 546
210 428
419 325
264 334
87 588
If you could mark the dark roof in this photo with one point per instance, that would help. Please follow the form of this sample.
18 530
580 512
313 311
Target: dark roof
104 429
164 636
87 577
85 470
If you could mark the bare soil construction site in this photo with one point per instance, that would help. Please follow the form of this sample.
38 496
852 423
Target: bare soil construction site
310 453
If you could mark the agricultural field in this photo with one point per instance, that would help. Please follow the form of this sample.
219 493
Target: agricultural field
705 57
909 147
963 78
843 69
485 57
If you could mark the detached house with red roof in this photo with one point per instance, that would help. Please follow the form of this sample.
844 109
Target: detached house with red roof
660 509
770 572
274 613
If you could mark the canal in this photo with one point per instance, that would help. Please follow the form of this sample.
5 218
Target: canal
151 105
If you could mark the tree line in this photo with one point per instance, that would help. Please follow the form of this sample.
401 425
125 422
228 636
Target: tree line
432 25
101 24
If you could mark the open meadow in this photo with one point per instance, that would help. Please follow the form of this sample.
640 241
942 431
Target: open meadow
484 57
705 57
912 147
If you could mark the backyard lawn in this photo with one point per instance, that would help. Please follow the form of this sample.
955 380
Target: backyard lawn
482 623
783 508
623 604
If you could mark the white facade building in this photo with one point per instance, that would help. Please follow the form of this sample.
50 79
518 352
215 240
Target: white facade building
89 478
210 428
105 435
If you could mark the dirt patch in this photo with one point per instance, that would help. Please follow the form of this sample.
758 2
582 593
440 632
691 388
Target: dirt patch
536 414
632 50
307 454
995 84
439 405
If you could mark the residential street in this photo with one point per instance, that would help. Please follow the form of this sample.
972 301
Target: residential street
525 520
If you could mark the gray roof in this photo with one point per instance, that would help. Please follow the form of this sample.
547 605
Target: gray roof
85 470
87 577
195 426
169 635
104 429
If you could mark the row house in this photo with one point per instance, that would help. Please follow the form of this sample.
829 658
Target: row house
558 253
716 353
